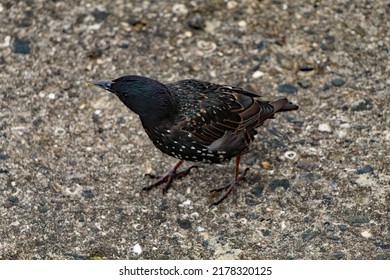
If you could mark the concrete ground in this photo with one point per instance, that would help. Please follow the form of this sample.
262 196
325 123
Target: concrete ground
73 158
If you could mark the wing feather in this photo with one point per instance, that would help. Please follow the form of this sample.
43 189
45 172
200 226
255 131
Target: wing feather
219 112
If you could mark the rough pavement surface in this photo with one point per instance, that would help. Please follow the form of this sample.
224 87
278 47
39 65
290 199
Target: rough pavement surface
73 158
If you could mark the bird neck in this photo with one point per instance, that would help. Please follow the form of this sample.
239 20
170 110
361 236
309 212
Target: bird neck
154 107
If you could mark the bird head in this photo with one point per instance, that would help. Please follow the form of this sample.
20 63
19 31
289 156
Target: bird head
150 99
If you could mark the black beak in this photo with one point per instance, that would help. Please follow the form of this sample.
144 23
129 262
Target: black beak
103 84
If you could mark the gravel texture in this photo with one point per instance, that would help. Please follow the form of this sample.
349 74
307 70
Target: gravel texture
73 158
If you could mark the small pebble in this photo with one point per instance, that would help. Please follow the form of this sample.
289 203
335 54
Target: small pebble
279 41
328 198
180 9
187 202
137 249
311 176
231 4
326 87
96 115
3 156
200 229
362 105
343 133
137 226
87 194
59 131
95 53
100 15
265 164
242 23
365 169
303 84
120 120
197 22
261 44
265 232
329 226
43 209
194 215
305 68
306 165
184 223
21 46
338 255
13 199
342 227
51 96
257 74
290 155
387 135
7 42
15 224
357 219
287 88
293 119
324 127
258 190
309 235
383 245
337 82
284 183
366 234
206 46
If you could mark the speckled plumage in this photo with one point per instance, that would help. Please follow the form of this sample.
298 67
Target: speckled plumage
194 120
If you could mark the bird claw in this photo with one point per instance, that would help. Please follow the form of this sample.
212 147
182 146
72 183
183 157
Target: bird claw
168 178
228 188
153 176
185 171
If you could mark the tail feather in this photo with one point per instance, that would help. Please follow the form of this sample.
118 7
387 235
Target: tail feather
282 105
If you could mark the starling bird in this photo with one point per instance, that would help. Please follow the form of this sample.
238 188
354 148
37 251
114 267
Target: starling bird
195 121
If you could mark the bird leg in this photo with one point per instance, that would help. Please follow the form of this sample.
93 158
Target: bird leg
168 177
229 187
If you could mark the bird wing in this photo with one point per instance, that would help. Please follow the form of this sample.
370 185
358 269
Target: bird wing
223 114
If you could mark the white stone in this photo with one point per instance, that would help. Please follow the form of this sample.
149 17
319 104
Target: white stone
343 133
257 74
242 23
345 125
199 229
180 9
231 4
137 249
7 42
324 127
51 95
366 234
187 202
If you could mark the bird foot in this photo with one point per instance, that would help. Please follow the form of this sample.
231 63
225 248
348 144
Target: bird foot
167 178
228 188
